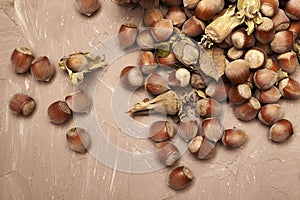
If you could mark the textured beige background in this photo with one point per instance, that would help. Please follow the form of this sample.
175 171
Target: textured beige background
34 155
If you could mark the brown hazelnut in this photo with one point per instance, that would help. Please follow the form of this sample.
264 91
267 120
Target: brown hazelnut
207 9
282 42
151 16
265 78
270 113
162 30
190 4
269 7
147 62
160 131
233 138
145 40
127 35
167 153
177 15
78 139
239 94
193 27
179 178
202 148
280 20
188 129
79 101
292 9
212 129
155 84
179 77
288 62
255 57
21 59
42 69
21 104
281 130
87 7
132 77
59 112
271 95
265 32
241 40
208 107
237 71
289 88
248 110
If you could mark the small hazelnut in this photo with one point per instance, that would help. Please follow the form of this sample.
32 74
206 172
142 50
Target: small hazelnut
78 139
248 110
193 27
155 84
202 148
160 131
177 15
282 42
280 20
281 130
288 62
79 101
77 62
21 104
241 40
271 95
162 30
42 69
270 113
145 40
21 59
289 88
151 16
147 62
265 32
167 61
265 78
167 153
179 178
127 35
237 71
188 129
217 90
269 7
212 129
234 53
87 7
233 138
132 77
239 94
208 107
255 57
292 9
59 112
179 77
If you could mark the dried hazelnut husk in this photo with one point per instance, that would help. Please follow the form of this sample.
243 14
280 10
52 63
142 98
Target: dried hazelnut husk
179 178
87 7
59 112
21 59
21 104
79 101
78 139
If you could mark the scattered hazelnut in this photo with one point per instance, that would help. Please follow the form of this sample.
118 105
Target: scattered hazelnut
281 130
79 102
160 131
265 32
269 7
271 95
237 71
255 57
241 40
202 148
78 139
162 30
87 7
145 40
292 9
155 84
167 153
147 62
179 178
167 61
42 69
209 107
179 77
282 42
77 62
188 129
212 129
233 138
132 77
288 62
127 35
193 27
248 110
234 53
21 104
59 112
265 78
239 94
151 16
207 9
280 20
21 59
177 15
289 88
270 113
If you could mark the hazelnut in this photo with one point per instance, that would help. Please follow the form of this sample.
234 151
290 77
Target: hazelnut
155 84
190 4
21 104
78 139
179 178
248 110
241 40
280 20
239 94
59 112
162 30
237 71
188 129
281 130
177 15
272 65
269 7
79 101
289 88
202 148
179 77
265 32
127 35
208 107
160 131
255 57
271 95
193 27
212 129
295 28
292 9
265 78
217 90
270 113
234 53
87 7
42 69
21 59
167 153
147 62
233 138
145 40
167 61
132 77
288 62
151 16
77 62
282 42
207 9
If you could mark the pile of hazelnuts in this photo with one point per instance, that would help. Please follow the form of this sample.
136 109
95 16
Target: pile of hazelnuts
258 73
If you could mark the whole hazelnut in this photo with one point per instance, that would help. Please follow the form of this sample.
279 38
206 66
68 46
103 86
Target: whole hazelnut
21 104
78 139
179 178
42 69
281 130
132 77
59 112
21 59
87 7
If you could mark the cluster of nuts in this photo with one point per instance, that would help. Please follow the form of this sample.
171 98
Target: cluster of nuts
261 57
58 112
